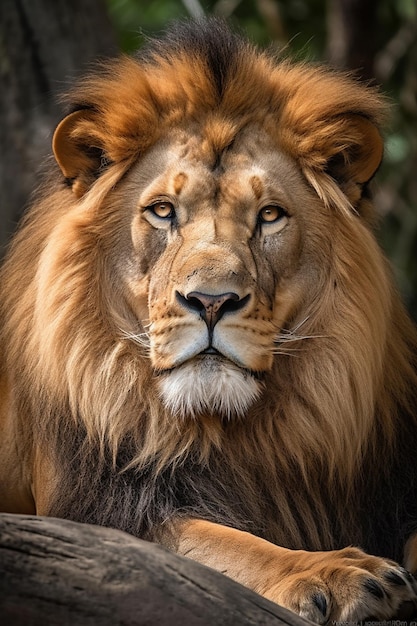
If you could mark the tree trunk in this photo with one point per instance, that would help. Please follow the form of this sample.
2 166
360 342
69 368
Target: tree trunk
44 46
56 572
351 43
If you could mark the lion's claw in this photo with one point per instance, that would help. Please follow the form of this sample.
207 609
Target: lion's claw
374 588
320 600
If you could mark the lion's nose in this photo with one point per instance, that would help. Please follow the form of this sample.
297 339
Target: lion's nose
212 307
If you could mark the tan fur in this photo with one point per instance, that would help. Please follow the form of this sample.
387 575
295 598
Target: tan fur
100 338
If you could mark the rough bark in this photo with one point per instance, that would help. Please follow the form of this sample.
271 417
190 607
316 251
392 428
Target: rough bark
59 572
44 45
351 35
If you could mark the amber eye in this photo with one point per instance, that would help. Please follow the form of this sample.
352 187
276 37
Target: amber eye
163 210
271 213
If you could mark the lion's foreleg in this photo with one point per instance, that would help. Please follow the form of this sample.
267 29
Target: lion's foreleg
340 585
229 551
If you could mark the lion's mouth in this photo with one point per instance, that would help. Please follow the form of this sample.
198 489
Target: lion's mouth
212 351
211 359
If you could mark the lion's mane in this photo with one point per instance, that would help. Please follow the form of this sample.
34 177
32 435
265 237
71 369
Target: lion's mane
331 415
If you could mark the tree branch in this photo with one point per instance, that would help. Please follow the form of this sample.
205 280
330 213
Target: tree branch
60 572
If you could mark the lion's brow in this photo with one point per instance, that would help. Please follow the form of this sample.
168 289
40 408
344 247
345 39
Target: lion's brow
257 186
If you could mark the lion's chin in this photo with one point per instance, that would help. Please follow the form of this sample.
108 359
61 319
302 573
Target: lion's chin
209 386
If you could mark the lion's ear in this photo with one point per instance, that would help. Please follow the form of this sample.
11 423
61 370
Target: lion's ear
358 153
77 149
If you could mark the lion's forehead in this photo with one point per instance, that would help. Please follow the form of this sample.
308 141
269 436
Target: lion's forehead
248 170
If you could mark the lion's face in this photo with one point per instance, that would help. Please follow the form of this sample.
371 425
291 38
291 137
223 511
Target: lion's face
215 264
215 192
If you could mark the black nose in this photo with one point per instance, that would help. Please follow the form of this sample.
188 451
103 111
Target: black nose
212 307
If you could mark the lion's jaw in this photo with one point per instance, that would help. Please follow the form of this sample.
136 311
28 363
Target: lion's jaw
208 385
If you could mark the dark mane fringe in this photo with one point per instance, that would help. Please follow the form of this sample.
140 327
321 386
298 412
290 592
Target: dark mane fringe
144 501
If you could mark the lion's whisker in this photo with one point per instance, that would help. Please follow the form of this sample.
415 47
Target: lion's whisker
294 330
141 339
285 353
290 338
290 335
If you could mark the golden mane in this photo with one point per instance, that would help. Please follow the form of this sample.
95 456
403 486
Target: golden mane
66 326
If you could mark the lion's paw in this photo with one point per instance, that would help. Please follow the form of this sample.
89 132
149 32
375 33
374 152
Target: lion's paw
346 586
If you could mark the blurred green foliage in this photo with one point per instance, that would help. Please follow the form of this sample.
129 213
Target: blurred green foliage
302 28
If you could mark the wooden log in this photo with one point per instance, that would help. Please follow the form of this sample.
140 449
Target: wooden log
58 572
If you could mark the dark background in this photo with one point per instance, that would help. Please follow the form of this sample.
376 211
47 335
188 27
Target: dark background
45 44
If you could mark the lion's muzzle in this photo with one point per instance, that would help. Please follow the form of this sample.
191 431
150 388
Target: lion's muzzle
210 375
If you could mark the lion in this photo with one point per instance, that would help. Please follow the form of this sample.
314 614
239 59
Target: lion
202 343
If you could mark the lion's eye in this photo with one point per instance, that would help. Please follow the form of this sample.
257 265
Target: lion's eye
163 210
271 213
